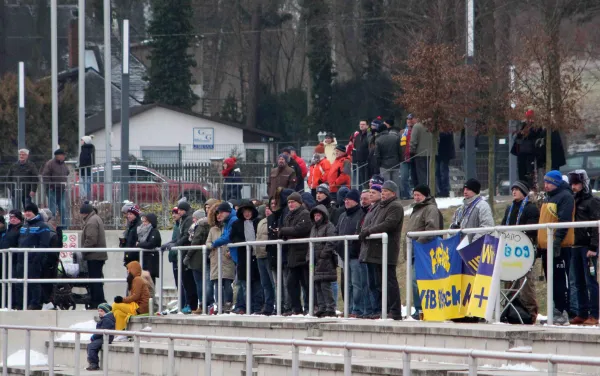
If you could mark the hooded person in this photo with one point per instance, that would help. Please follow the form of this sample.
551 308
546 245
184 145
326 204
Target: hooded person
136 302
149 238
308 200
129 239
244 230
232 179
325 261
282 176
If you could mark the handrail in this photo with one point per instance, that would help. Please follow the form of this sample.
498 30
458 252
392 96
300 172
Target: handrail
473 355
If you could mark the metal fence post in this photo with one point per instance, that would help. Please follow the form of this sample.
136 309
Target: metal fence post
179 282
220 279
552 368
161 275
406 371
4 352
550 275
204 297
409 276
10 267
27 352
171 357
105 339
279 277
295 361
25 276
4 266
347 296
207 357
311 279
142 258
51 354
136 354
248 280
384 276
249 358
77 351
472 366
347 362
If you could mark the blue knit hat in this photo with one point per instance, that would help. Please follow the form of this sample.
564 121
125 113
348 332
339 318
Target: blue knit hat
554 177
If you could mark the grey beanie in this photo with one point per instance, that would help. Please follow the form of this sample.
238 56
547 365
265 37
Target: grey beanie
390 186
199 214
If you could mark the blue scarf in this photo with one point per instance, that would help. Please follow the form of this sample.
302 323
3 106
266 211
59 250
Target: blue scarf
521 208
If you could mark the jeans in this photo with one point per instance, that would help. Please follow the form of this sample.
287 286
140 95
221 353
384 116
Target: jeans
96 289
405 187
415 291
85 187
358 291
198 280
585 284
393 289
227 290
181 294
391 174
442 177
56 199
267 284
297 278
335 289
256 296
325 296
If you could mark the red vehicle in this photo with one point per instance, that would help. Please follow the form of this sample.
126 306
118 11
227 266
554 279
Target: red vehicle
146 186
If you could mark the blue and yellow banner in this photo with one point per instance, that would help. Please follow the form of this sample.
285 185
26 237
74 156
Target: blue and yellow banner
454 283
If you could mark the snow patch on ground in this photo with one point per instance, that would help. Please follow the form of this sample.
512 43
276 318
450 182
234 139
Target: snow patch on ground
309 351
513 367
35 359
442 203
80 325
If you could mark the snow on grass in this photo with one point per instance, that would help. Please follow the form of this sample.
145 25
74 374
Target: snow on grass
80 325
309 351
442 203
522 367
35 359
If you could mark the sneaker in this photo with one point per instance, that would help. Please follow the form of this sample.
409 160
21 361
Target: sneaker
238 311
198 311
186 310
591 321
319 314
93 367
577 320
560 318
329 314
227 307
416 316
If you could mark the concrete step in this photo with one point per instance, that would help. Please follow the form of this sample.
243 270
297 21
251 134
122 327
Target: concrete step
58 371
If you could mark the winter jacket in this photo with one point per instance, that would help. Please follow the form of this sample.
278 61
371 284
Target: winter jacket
262 233
131 240
559 206
227 264
529 216
361 148
54 172
468 216
558 151
24 173
139 293
225 238
425 217
302 165
296 225
349 224
339 175
238 236
373 165
10 238
93 236
325 259
232 187
174 235
106 323
388 151
87 158
405 141
330 150
193 257
446 149
281 177
35 233
184 228
587 208
298 171
153 241
525 140
389 219
420 141
319 173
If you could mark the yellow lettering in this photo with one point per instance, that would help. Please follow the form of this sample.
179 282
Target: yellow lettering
440 257
488 254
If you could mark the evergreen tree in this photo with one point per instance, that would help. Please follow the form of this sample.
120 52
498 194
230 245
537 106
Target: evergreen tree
171 33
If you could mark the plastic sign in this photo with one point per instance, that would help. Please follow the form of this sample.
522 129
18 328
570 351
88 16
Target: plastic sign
69 240
518 255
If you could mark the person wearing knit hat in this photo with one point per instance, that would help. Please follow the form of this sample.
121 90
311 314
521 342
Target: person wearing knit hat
232 179
353 195
423 190
319 170
31 208
106 322
86 208
282 176
522 186
320 149
323 188
130 237
475 211
389 185
376 179
340 148
295 197
376 187
224 207
554 178
323 197
87 158
339 174
93 236
473 185
199 214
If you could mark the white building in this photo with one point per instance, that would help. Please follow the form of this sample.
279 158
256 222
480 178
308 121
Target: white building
157 132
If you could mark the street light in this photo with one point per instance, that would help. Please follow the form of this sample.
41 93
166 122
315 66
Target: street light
321 136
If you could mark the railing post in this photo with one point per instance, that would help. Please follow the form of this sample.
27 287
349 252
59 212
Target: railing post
105 339
4 352
10 267
136 354
161 275
77 353
179 282
295 361
207 357
472 366
51 354
552 367
171 357
279 277
142 258
384 275
406 371
249 358
550 275
248 280
204 297
347 297
347 362
27 352
311 279
4 267
220 279
409 276
25 276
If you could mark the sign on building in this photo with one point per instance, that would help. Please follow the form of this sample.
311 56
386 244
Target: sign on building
204 138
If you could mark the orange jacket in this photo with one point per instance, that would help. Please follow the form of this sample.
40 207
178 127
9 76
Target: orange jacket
319 173
339 174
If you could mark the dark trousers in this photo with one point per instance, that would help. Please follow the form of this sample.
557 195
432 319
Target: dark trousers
420 170
393 289
442 177
525 167
561 289
256 296
180 293
587 285
189 284
297 278
93 348
363 174
96 289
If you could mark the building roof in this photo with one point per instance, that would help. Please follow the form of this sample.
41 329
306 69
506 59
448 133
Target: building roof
95 123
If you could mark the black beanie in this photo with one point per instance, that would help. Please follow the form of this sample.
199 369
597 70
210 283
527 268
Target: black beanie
86 208
32 208
422 189
224 207
473 185
521 186
17 214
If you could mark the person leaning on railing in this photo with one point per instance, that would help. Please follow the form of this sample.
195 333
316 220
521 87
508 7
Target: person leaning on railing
136 303
55 174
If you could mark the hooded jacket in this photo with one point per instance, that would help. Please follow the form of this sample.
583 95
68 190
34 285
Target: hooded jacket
238 236
93 236
153 241
296 225
559 206
389 219
587 208
139 292
349 224
216 231
425 217
325 258
87 158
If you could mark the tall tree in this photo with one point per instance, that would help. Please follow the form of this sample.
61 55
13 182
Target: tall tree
171 34
373 29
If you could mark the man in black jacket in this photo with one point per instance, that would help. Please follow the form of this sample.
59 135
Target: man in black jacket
524 212
349 224
584 254
130 238
389 152
360 154
26 176
244 230
189 284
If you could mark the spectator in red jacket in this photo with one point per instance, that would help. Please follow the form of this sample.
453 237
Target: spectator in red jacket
298 160
339 174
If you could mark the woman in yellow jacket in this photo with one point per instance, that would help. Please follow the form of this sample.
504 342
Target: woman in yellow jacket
136 303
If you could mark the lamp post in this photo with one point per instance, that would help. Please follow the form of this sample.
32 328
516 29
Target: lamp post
469 151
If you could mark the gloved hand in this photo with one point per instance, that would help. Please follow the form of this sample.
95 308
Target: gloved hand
556 249
118 299
364 234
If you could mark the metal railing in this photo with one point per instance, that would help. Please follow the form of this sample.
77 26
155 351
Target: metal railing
7 278
550 227
471 355
279 283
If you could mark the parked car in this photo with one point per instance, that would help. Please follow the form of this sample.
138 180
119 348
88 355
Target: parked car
589 161
146 186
